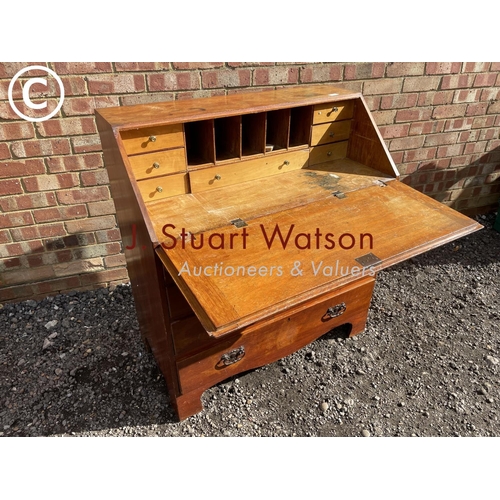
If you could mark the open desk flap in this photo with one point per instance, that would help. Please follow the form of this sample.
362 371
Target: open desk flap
243 274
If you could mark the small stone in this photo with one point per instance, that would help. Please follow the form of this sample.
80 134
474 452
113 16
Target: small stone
53 335
51 324
46 344
21 362
492 360
365 433
324 406
58 372
73 372
123 353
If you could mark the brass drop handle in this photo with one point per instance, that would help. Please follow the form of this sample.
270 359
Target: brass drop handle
329 153
332 134
152 138
333 312
156 165
159 189
286 162
218 177
335 109
233 356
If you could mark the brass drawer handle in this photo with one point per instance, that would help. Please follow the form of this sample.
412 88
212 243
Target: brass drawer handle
233 357
329 153
218 177
286 162
331 134
159 189
156 165
333 312
334 110
152 138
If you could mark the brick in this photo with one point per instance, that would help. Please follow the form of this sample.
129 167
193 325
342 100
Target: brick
393 131
405 143
449 111
27 275
420 154
405 69
15 293
8 114
60 213
441 68
10 186
435 98
453 150
16 219
37 232
468 95
86 143
90 161
491 94
20 168
92 251
457 82
478 108
10 263
173 81
475 147
142 66
73 86
27 201
9 69
84 195
397 157
458 124
494 108
4 152
413 114
441 139
485 79
469 135
115 260
362 71
41 147
87 105
13 131
116 84
69 68
421 84
483 122
429 127
79 267
91 224
67 126
57 285
202 93
104 276
384 117
383 86
197 65
21 248
49 182
276 76
94 177
101 208
321 73
476 67
133 99
226 78
398 101
109 235
5 236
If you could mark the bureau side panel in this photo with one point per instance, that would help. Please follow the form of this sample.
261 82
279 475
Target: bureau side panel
144 270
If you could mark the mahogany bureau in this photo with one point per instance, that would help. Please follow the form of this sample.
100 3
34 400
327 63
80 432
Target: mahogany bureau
255 223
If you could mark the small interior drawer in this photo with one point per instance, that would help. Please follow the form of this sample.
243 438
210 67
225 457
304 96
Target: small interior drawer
328 152
163 187
330 132
235 173
333 111
148 139
158 163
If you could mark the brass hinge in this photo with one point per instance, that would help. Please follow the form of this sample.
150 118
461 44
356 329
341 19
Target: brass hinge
238 222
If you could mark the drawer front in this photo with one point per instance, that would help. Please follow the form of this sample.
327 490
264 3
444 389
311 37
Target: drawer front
163 187
235 173
160 163
330 132
149 139
273 340
333 111
328 152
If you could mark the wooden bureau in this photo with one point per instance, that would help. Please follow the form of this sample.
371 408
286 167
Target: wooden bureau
255 223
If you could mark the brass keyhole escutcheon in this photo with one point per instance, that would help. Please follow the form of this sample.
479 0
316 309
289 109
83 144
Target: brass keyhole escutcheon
152 138
156 165
159 189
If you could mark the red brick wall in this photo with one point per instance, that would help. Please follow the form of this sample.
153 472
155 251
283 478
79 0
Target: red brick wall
441 122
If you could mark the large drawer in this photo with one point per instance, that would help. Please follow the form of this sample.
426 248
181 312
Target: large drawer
273 339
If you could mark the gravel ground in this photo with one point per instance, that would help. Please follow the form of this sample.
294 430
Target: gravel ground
428 364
